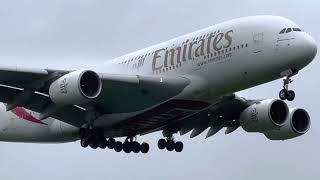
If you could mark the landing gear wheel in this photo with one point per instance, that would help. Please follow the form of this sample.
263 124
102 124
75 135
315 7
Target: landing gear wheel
84 143
136 147
102 143
93 144
291 95
144 148
178 147
111 143
127 147
162 143
283 94
170 145
118 146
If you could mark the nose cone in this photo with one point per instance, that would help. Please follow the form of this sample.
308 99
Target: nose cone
310 48
303 51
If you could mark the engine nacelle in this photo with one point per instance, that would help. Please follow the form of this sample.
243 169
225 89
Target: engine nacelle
297 124
77 87
264 116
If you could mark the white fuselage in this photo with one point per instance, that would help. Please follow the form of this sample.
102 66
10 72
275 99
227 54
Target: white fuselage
219 60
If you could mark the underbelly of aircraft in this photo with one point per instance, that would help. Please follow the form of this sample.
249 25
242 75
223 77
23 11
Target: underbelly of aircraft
162 115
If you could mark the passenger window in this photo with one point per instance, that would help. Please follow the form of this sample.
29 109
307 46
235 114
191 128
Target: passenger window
288 30
282 31
296 29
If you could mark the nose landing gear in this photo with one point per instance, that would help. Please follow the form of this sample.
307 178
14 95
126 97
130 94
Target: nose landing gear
285 93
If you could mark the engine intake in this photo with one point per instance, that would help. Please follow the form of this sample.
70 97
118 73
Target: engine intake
297 124
278 112
264 115
90 84
77 87
300 121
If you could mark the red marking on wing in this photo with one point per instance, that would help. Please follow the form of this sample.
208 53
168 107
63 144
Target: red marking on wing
22 113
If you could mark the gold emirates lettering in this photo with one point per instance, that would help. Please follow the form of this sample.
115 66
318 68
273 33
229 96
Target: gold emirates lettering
164 58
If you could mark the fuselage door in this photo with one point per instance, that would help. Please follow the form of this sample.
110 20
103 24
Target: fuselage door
258 42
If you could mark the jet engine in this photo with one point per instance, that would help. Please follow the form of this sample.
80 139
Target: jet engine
77 87
297 124
264 116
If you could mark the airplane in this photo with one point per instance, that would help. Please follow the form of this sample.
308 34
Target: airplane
187 84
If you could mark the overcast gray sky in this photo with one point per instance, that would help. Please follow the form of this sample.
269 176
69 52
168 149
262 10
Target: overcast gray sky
77 33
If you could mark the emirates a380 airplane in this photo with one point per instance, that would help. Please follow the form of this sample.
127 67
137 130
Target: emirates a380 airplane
182 85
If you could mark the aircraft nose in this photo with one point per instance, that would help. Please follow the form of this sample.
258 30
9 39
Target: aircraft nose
310 48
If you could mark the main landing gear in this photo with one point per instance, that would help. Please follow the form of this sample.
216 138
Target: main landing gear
170 144
129 145
94 138
285 93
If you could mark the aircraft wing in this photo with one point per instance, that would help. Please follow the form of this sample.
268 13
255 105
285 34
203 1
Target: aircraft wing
120 93
224 114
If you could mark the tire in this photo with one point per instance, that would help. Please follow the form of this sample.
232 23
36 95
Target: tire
102 143
136 147
111 143
283 94
93 145
84 143
170 145
162 143
144 148
178 147
291 95
118 146
127 147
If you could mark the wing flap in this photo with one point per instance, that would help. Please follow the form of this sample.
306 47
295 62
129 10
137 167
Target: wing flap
224 113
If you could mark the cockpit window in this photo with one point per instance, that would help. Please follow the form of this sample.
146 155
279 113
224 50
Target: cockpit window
288 30
282 31
296 29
